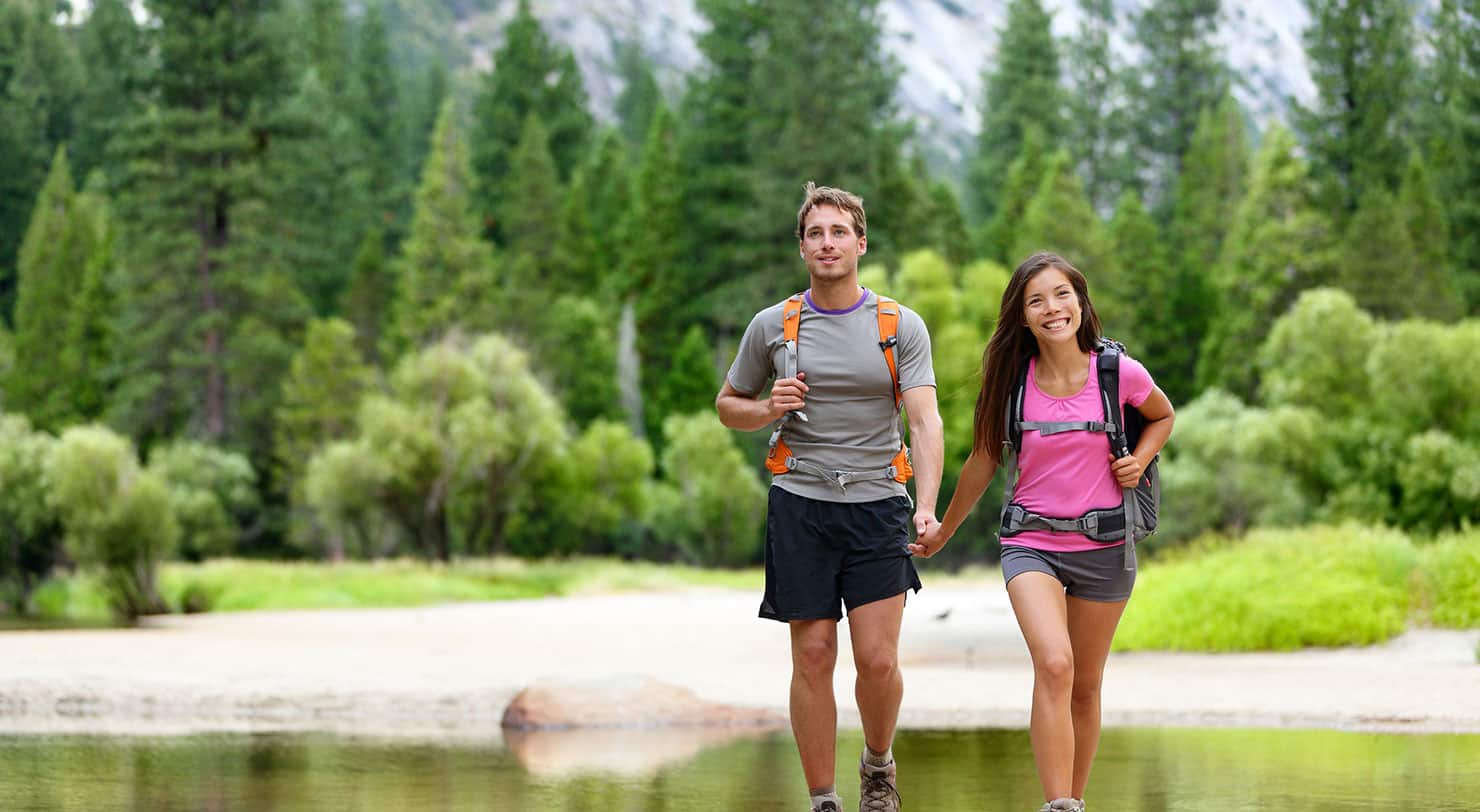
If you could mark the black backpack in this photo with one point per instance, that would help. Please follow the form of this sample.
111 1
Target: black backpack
1135 519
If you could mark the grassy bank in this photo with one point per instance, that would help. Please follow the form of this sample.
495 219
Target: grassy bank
1271 590
1309 586
236 585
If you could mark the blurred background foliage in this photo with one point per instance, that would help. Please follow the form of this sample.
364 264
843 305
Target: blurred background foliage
279 280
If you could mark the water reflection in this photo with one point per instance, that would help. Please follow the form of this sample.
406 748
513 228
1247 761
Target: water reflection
1152 770
641 752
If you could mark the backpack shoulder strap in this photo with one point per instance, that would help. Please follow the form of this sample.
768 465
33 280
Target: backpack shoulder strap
889 339
1107 369
791 317
1014 412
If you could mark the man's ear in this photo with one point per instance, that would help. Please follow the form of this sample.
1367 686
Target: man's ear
862 245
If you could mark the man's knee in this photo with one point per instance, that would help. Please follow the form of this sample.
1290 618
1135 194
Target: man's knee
877 665
814 656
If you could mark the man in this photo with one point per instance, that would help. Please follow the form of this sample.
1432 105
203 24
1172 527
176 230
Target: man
838 515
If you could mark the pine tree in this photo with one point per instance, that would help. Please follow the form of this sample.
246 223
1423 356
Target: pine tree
321 394
39 79
576 346
319 192
1278 245
88 346
205 319
1378 251
531 216
1153 305
1360 54
321 41
607 190
998 238
112 49
1060 219
368 297
50 381
1450 119
1098 126
640 96
725 228
1020 93
843 51
689 383
375 105
531 75
1210 186
1179 76
446 272
653 275
415 123
1424 217
899 209
948 225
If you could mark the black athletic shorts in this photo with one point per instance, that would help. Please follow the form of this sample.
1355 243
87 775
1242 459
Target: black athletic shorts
820 554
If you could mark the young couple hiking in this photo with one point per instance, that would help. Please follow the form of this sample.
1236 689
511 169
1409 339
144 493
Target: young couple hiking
842 361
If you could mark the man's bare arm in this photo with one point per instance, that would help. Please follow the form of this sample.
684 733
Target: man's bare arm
743 412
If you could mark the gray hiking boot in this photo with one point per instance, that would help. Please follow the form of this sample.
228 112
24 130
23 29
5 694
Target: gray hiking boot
876 788
828 805
1063 805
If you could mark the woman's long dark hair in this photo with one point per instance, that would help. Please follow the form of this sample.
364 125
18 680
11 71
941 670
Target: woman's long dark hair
1012 344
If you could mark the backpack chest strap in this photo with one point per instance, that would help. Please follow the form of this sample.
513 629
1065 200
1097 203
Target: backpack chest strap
1048 427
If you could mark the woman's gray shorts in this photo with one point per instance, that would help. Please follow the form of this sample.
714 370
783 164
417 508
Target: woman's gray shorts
1093 575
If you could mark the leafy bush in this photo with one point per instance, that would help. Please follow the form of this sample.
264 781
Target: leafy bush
710 503
30 531
118 517
1451 580
212 493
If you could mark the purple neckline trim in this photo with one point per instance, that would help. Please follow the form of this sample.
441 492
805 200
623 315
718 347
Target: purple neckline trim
844 311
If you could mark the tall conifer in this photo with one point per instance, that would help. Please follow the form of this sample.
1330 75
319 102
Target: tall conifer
1021 92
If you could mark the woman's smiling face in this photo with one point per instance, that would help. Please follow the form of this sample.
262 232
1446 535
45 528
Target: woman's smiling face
1051 309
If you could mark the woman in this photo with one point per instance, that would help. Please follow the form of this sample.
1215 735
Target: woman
1067 590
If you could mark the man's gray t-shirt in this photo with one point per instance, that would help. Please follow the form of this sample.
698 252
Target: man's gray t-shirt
852 423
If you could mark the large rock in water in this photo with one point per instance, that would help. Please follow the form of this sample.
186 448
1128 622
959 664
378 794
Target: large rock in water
623 702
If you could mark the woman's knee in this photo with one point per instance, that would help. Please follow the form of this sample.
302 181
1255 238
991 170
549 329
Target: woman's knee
1055 667
1086 694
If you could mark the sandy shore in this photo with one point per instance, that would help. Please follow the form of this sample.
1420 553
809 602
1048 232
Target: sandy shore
448 671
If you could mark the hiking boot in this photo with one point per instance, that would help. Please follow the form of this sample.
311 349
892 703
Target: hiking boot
876 788
1063 805
827 806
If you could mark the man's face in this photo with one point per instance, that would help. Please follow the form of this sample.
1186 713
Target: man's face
829 245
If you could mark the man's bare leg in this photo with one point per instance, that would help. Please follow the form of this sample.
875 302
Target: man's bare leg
814 710
874 631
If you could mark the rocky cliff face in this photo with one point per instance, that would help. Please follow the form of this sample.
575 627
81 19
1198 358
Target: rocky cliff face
941 45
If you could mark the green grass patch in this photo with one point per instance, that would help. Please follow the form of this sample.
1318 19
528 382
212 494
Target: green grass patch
1274 590
230 585
236 585
1451 580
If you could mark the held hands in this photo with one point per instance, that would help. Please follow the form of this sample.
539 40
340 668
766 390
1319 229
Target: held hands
1127 470
928 536
788 395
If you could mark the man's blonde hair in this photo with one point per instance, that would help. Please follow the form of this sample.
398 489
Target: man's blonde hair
837 198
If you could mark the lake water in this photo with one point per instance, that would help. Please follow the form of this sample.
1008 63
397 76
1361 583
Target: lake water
1149 770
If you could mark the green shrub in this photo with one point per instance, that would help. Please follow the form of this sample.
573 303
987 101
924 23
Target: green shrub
118 517
1275 589
1451 580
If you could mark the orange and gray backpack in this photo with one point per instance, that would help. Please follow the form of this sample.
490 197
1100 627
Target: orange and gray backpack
780 460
